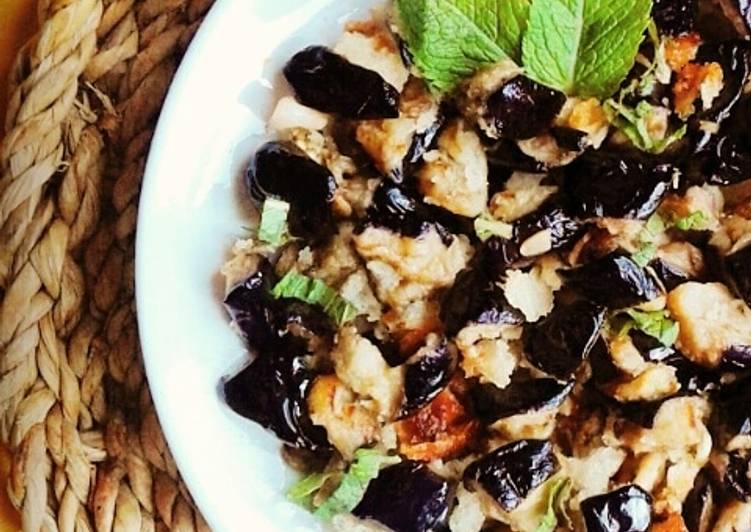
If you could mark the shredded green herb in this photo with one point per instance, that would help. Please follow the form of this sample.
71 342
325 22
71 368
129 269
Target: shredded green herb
273 229
695 220
487 227
303 491
647 249
559 492
315 292
656 324
634 123
354 483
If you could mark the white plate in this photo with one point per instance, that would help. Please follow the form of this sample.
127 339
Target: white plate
190 215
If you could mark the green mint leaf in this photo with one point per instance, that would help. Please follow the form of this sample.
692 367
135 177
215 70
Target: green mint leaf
273 228
559 491
654 225
350 491
584 47
656 324
315 292
634 123
302 492
487 227
645 254
513 16
451 39
692 221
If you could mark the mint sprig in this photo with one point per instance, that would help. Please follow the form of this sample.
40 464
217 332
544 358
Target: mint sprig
580 47
584 47
451 39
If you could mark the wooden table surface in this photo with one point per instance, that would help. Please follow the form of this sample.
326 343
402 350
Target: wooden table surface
17 22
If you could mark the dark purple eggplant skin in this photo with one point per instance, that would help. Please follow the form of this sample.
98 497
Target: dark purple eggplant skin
389 349
503 254
522 109
604 370
251 306
559 344
422 142
272 391
476 298
569 139
552 215
326 81
281 170
651 349
737 357
525 394
304 319
699 506
738 475
734 56
628 509
744 8
734 407
670 276
601 185
614 281
510 473
674 17
738 267
398 208
505 154
723 158
694 379
426 377
407 497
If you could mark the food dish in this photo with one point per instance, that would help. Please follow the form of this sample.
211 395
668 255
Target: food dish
481 295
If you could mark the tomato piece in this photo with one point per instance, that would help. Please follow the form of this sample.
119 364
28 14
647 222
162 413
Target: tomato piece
441 429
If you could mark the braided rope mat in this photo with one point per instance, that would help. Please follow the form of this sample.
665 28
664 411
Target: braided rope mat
75 409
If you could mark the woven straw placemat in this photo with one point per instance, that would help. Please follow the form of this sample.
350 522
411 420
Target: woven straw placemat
75 409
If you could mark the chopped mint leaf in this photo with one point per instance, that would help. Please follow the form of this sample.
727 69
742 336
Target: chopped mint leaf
367 464
656 324
315 292
302 492
487 227
693 221
558 492
645 254
634 123
273 228
584 47
654 225
451 39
